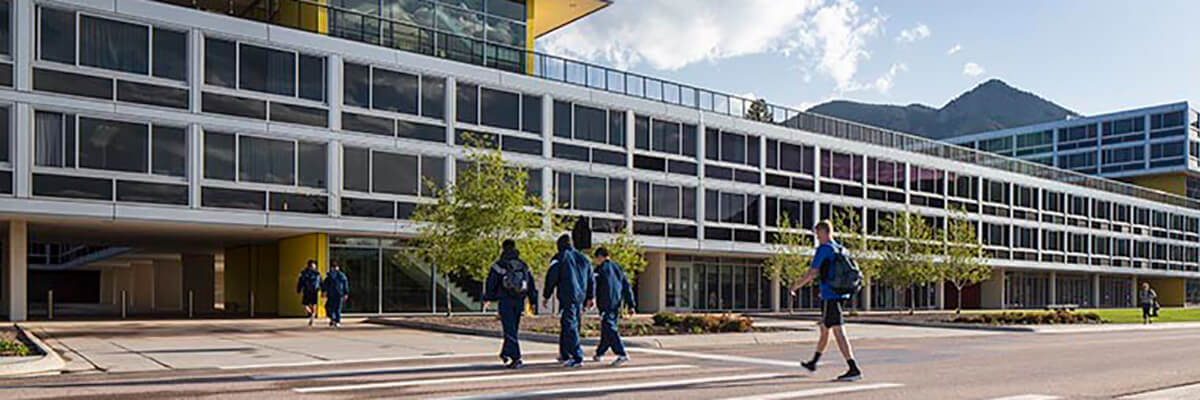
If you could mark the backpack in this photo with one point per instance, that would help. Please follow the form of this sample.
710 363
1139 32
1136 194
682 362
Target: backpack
515 279
843 276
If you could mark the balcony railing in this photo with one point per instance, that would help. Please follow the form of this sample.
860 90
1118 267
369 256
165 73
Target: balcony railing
324 19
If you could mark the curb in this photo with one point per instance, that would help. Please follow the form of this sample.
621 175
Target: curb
48 363
530 336
943 325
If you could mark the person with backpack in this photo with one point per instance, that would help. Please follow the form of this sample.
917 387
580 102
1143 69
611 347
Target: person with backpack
571 276
1149 302
510 282
839 278
336 290
309 285
612 290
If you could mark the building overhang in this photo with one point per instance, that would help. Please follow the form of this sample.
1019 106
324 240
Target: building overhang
545 16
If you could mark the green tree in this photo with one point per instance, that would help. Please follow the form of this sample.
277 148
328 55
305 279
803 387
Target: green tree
790 250
907 255
461 230
848 228
962 262
760 111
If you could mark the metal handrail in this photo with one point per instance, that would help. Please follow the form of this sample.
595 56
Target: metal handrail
437 43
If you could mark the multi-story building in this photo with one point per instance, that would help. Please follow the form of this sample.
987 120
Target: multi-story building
1156 147
164 156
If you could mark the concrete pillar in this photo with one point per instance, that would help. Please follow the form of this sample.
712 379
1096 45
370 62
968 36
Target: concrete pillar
1053 288
452 109
776 291
940 290
199 278
106 286
333 176
991 291
1133 290
652 284
143 286
333 91
16 270
867 294
195 163
1096 290
168 286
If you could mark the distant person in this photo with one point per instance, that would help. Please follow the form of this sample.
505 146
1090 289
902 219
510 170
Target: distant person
309 286
1149 300
571 275
612 291
336 290
831 307
510 281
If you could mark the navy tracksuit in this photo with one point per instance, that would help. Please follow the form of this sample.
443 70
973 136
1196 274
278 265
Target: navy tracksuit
511 305
612 290
571 274
336 287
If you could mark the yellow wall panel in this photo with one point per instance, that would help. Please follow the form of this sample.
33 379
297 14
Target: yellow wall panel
1171 292
294 253
1170 183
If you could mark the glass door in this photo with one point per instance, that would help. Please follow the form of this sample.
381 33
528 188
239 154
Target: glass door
679 288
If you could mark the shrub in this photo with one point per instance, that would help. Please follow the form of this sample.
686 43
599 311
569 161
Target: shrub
13 348
1030 318
667 319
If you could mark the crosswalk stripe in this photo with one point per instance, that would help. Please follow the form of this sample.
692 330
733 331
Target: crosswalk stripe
392 370
442 381
366 360
1176 393
719 357
818 392
615 388
1029 397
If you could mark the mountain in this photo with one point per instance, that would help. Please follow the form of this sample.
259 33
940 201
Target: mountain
990 106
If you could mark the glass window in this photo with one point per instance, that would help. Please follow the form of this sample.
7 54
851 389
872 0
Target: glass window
169 151
220 62
357 81
267 70
5 36
511 9
113 145
641 195
433 97
733 208
616 195
460 22
590 193
563 189
505 31
356 169
394 91
5 134
312 164
531 113
50 143
312 77
616 128
689 203
733 147
641 132
468 103
57 35
219 150
591 124
433 172
666 201
562 119
266 160
394 173
500 109
170 54
666 137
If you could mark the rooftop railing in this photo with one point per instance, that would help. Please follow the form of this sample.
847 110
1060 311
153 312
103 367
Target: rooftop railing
349 24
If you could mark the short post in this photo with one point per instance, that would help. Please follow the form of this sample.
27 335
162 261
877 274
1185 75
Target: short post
124 309
191 304
251 304
50 304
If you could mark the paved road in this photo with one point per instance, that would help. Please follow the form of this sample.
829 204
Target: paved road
1145 364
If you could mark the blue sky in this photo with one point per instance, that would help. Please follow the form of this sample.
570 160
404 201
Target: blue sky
1090 56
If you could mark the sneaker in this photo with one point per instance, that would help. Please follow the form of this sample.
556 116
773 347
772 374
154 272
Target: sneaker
515 364
620 360
573 364
310 322
504 360
811 366
597 358
850 376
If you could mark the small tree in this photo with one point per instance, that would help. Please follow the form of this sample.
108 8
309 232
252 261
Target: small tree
789 258
624 249
963 264
908 253
847 224
760 111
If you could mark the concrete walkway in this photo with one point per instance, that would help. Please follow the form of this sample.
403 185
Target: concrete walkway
162 345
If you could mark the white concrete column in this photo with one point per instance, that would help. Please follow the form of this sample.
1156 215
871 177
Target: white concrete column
1053 288
547 126
776 291
195 163
22 153
701 187
652 284
23 39
940 289
196 71
16 270
333 176
630 146
1096 290
1133 290
867 295
334 92
452 108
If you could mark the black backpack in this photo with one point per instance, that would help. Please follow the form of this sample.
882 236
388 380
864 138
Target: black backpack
843 275
515 278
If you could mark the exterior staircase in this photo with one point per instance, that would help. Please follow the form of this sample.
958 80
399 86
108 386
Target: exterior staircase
62 256
423 272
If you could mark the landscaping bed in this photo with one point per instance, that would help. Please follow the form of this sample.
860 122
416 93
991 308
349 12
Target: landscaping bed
639 325
11 344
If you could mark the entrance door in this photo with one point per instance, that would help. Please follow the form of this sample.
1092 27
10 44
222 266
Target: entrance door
679 288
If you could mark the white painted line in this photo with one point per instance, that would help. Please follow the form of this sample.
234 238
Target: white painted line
392 370
1029 397
1189 392
366 360
818 392
505 377
614 388
719 357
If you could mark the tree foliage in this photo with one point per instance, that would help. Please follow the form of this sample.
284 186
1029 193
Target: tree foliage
848 230
760 111
790 257
625 250
907 255
962 262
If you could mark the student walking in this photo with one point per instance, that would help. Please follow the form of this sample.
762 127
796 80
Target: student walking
336 289
831 314
571 276
510 282
309 285
1149 300
612 290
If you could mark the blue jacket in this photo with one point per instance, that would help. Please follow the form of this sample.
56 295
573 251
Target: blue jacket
612 287
570 273
822 261
494 288
310 281
336 284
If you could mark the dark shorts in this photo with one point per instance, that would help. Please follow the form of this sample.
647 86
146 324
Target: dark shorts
831 313
1147 310
309 298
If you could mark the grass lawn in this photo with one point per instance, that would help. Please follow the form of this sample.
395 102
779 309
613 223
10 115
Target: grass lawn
1134 316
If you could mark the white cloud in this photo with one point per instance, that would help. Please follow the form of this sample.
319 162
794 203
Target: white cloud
972 69
921 31
884 83
828 37
954 50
